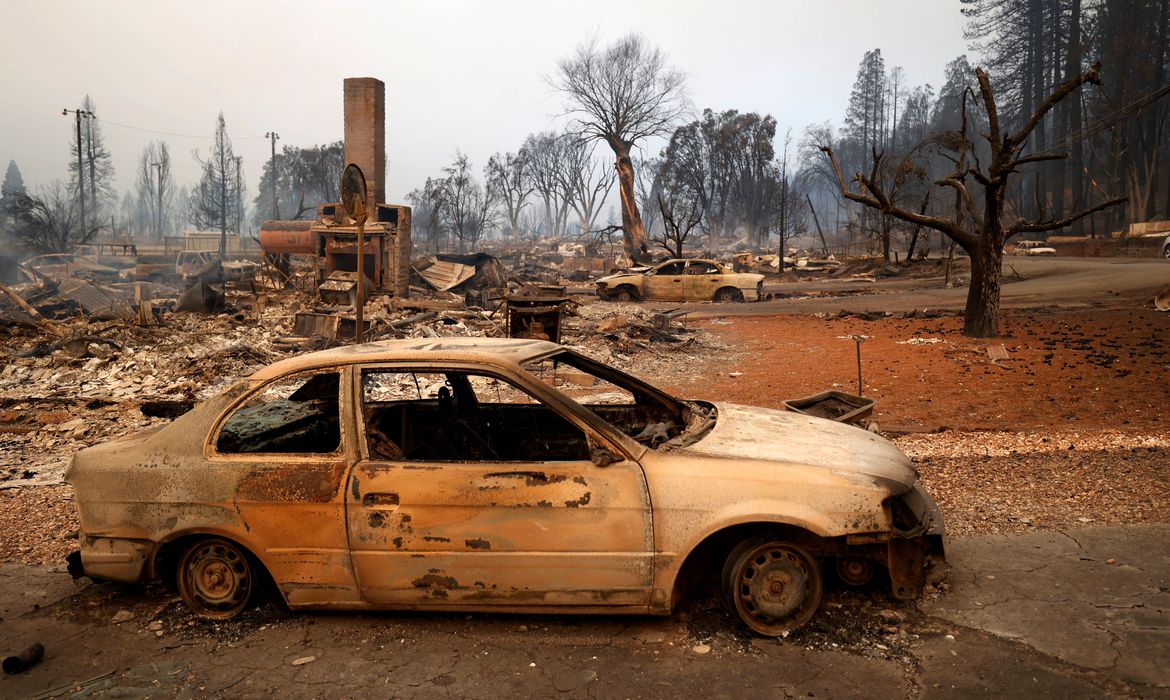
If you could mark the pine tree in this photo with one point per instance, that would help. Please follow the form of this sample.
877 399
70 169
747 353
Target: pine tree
12 188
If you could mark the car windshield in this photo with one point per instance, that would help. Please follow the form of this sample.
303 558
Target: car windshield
643 412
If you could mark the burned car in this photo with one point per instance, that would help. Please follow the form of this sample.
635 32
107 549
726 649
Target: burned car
683 280
476 474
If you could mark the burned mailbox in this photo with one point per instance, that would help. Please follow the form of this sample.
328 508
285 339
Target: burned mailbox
535 313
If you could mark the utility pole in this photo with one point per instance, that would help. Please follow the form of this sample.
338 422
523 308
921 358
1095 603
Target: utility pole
78 114
273 136
158 192
239 198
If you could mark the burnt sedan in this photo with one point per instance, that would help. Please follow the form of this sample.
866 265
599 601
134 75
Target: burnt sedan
683 280
509 475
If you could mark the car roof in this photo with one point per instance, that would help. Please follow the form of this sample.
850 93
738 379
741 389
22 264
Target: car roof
686 260
488 351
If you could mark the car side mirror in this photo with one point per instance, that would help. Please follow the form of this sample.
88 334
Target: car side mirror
601 455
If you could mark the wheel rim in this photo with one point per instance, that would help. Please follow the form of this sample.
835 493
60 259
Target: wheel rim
624 296
723 296
215 579
777 588
855 572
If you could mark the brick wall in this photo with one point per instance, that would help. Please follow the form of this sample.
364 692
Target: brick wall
365 133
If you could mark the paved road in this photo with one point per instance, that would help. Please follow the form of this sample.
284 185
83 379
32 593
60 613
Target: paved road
1046 614
1066 282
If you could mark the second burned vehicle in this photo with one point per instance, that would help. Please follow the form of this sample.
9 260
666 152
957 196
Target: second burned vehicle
683 280
466 474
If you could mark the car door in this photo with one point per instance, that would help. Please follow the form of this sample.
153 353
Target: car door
288 446
665 282
703 279
441 516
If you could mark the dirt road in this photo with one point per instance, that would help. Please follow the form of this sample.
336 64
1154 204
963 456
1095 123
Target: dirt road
1059 282
1001 630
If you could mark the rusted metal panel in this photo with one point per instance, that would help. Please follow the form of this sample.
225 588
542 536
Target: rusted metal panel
96 301
565 533
444 276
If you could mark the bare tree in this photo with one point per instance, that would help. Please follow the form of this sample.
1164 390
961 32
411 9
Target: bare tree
50 220
507 175
305 178
215 200
427 205
545 157
646 185
623 94
97 164
680 215
585 183
155 186
469 210
983 237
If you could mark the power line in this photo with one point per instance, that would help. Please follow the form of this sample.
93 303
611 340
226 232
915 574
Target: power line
171 133
1113 118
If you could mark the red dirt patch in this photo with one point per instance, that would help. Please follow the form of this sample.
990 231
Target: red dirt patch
1082 369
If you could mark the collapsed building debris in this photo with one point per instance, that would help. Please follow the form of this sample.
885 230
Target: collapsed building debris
535 313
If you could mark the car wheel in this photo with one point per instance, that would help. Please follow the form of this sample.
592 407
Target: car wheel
215 579
773 586
728 295
625 294
1166 252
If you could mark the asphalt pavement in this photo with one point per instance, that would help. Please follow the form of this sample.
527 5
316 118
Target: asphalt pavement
1082 613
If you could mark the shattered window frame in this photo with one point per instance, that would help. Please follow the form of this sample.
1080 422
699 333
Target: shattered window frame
591 434
212 445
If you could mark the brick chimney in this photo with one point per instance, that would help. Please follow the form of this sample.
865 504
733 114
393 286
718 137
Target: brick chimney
365 134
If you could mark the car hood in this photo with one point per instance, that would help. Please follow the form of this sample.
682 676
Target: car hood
770 435
610 278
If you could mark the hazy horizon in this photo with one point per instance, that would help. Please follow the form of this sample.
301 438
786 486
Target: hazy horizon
459 75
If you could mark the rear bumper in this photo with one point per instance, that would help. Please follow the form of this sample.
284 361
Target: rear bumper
116 559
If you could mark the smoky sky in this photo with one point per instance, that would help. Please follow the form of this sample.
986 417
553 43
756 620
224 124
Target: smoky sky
466 75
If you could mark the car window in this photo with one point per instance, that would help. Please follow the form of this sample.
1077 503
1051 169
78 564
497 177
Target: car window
461 417
635 409
674 268
294 415
585 388
702 268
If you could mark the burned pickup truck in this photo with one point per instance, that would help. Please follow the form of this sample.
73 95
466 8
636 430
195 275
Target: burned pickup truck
497 475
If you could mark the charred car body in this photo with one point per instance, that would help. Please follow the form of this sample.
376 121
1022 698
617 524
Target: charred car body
683 280
506 475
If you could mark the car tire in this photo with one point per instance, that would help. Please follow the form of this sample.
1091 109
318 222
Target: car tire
1166 252
215 578
726 295
771 585
625 294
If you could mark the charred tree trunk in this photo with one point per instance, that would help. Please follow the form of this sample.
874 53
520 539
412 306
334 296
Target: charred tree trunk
885 235
981 315
983 239
633 232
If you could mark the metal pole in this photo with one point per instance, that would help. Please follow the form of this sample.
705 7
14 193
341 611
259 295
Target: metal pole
859 339
359 311
239 199
80 165
273 136
158 192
